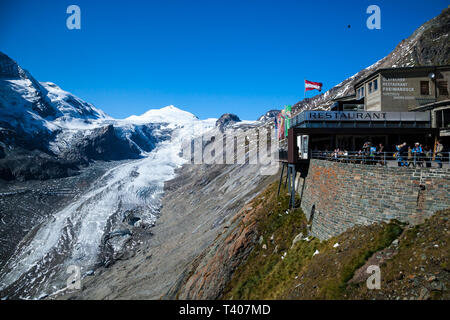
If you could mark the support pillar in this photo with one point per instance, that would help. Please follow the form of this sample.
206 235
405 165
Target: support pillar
281 178
292 171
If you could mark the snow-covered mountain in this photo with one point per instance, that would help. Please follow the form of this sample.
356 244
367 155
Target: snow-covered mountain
269 115
112 217
46 132
30 106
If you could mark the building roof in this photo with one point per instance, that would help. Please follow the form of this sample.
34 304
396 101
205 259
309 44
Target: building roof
410 71
433 105
346 98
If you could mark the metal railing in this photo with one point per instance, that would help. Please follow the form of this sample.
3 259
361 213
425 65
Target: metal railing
391 159
282 154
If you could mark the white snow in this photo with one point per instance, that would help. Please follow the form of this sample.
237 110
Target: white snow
76 231
168 114
133 184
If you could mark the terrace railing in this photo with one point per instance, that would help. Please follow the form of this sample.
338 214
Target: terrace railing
282 154
390 159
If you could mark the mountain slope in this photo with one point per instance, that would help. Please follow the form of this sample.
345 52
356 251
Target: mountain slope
46 132
29 107
428 45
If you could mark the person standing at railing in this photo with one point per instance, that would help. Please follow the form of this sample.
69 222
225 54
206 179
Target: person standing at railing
428 155
336 154
439 150
402 154
397 154
366 151
410 157
380 155
417 154
372 152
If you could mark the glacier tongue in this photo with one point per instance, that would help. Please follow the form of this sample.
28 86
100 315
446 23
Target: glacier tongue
76 234
114 214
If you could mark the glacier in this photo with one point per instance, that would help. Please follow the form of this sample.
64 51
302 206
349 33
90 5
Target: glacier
75 235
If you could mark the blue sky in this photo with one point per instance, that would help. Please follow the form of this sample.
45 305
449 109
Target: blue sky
207 57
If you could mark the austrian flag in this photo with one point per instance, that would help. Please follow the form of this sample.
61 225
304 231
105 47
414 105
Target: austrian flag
309 85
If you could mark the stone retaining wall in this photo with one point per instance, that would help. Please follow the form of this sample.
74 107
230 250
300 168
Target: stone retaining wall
338 196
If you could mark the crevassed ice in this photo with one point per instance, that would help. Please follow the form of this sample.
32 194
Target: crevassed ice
87 216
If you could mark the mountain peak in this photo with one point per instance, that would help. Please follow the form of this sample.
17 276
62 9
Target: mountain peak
169 114
227 119
269 115
9 68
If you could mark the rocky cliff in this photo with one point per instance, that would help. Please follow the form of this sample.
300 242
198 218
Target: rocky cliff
267 252
197 206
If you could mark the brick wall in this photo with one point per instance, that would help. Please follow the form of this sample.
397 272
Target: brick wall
341 195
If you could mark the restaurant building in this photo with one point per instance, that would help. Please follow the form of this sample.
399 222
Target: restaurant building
390 106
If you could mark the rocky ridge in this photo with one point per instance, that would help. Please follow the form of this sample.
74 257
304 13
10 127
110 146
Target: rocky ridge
428 45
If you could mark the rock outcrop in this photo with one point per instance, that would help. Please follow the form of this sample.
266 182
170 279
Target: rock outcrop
227 120
102 144
269 115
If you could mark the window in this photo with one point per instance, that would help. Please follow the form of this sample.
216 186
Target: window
360 93
353 107
443 88
370 87
424 88
375 85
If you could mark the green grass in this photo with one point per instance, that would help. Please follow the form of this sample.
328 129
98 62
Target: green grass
265 275
263 272
335 287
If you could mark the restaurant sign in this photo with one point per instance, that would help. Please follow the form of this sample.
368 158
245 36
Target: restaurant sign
363 116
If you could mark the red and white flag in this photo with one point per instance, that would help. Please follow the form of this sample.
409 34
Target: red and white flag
309 85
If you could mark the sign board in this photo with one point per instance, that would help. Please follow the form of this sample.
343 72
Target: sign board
302 144
364 116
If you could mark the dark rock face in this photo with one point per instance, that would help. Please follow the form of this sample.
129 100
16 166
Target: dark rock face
269 115
16 137
102 144
226 120
25 157
8 67
144 136
23 165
